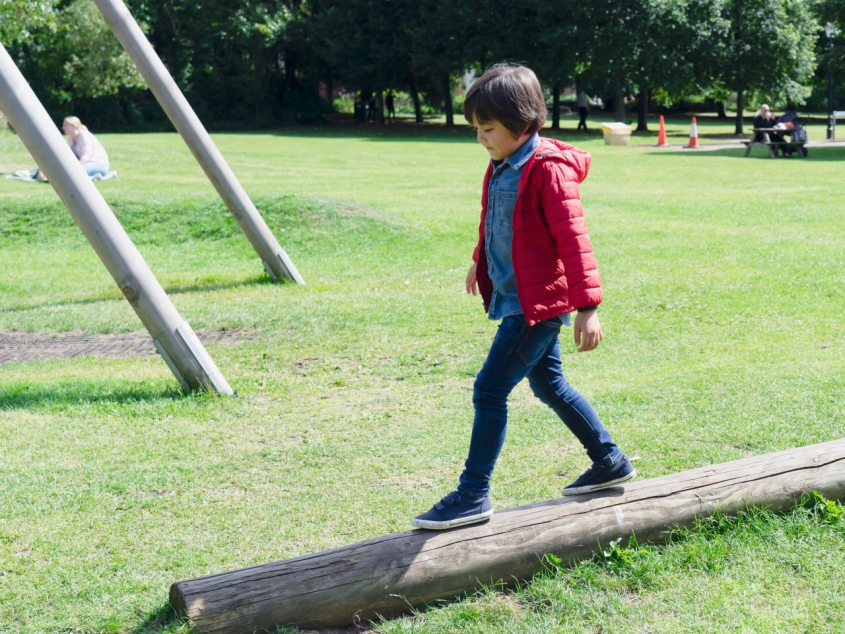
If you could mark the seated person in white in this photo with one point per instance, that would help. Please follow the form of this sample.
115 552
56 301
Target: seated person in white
86 147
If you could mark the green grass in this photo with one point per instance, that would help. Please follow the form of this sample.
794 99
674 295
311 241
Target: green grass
723 283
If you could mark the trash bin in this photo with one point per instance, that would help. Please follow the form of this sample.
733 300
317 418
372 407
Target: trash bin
616 133
360 113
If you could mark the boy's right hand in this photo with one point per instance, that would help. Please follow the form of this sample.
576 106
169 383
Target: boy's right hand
471 283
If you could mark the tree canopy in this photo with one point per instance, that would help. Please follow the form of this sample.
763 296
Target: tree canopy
19 19
254 63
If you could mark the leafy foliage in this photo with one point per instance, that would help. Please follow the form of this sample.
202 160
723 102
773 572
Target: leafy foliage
96 63
769 50
20 18
252 64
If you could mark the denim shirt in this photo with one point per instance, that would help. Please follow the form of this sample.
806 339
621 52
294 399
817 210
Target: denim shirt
498 231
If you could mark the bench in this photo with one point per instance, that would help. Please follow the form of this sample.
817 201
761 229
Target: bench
772 146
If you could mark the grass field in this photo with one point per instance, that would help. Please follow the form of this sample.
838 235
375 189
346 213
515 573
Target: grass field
724 281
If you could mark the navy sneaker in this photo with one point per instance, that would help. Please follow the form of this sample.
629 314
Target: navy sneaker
597 477
454 510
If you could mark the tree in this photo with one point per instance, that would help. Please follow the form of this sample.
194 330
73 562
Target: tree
647 45
72 55
19 19
769 51
95 63
444 38
671 56
360 42
233 60
833 12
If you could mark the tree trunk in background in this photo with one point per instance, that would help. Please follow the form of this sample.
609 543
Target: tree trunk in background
415 95
447 100
720 110
556 107
642 122
380 106
330 91
740 106
619 105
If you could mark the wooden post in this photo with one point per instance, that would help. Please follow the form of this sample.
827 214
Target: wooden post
389 574
276 261
172 335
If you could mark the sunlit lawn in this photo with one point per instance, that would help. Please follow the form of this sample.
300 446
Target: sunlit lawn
723 280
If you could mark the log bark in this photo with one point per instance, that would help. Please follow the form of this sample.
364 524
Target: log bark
415 94
642 117
619 105
447 99
389 574
740 107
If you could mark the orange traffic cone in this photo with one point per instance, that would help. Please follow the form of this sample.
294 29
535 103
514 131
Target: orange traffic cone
693 135
661 136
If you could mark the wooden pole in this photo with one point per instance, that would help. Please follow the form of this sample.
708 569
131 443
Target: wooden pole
276 260
389 574
172 335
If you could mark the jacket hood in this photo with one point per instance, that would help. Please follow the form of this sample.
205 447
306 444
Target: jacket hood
569 155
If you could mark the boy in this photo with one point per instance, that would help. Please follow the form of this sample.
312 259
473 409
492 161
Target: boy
533 265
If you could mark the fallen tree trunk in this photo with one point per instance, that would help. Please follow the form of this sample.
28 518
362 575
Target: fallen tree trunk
389 574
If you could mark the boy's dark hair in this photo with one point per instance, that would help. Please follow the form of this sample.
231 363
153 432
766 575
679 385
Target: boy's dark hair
509 94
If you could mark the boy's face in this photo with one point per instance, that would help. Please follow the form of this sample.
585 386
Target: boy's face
498 140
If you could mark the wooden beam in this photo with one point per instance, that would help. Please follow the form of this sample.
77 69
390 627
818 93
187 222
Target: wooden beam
172 336
386 575
277 263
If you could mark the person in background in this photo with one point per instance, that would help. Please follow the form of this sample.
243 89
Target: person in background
86 147
765 118
390 105
583 103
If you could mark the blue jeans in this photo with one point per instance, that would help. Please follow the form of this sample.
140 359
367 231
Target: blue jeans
93 167
519 351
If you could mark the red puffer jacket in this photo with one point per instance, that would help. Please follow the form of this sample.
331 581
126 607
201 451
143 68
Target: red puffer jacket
555 268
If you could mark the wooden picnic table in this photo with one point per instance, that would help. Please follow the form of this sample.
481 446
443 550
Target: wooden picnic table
771 145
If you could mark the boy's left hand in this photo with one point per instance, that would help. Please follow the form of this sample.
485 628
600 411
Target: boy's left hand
587 331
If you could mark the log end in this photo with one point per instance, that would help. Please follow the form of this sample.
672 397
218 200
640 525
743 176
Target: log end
177 600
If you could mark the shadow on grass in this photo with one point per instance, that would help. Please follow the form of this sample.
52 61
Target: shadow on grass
205 287
61 395
171 289
816 154
163 620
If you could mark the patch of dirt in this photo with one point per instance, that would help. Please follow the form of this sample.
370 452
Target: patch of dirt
34 346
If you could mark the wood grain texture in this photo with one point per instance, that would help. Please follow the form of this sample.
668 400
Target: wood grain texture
385 575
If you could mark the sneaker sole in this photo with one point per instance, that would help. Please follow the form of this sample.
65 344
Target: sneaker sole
461 521
598 487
